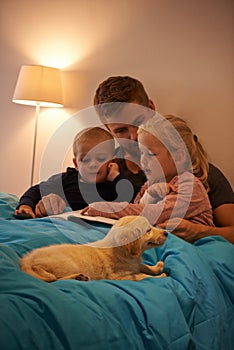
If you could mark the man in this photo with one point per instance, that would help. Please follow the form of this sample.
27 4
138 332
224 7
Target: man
122 105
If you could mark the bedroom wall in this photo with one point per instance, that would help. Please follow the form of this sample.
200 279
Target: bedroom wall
181 50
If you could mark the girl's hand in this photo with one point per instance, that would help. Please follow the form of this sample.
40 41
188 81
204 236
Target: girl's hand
89 211
85 211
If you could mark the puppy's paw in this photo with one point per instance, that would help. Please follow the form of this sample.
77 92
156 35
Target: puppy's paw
160 265
163 275
158 268
82 277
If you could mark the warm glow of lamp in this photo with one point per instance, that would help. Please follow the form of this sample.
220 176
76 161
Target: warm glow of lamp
38 86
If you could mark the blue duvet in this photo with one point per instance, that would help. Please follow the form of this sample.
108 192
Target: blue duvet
193 308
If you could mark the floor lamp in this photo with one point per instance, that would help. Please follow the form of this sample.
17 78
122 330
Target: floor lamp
38 86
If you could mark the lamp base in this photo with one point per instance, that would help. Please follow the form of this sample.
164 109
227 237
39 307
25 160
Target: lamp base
34 144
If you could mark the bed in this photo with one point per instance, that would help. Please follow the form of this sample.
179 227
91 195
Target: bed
193 308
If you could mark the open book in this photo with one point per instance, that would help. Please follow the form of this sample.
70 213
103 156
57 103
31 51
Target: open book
76 215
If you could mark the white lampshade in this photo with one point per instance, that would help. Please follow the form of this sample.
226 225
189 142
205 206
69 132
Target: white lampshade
39 85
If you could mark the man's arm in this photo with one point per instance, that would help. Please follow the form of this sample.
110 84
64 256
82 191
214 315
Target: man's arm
221 197
191 232
224 215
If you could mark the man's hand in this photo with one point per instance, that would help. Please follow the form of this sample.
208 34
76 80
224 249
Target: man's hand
50 205
113 171
25 209
185 229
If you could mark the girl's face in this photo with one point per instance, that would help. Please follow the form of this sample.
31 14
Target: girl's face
92 160
156 160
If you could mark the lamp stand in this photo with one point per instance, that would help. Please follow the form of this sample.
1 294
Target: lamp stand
35 143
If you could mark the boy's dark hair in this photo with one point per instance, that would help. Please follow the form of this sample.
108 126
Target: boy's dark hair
114 92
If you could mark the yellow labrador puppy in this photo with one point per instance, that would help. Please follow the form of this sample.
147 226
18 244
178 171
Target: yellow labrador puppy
117 256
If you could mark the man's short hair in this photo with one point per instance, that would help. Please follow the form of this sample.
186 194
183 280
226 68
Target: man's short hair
112 94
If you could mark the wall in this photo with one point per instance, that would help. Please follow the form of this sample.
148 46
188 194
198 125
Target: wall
181 50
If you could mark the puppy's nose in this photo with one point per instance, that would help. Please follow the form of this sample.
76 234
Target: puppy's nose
165 233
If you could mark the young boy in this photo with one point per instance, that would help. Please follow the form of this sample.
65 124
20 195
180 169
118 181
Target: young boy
93 178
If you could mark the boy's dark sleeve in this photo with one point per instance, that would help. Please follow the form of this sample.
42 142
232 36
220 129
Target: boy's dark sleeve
31 197
34 194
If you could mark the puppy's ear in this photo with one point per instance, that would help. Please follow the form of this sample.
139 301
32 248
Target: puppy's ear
134 248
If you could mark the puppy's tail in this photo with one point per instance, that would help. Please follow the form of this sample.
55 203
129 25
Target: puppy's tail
37 271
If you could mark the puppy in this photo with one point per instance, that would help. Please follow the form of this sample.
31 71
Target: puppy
116 257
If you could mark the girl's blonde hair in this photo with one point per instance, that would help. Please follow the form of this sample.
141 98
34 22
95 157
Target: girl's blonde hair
175 133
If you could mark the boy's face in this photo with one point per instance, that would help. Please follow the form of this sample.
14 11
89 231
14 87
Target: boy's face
124 125
92 160
156 160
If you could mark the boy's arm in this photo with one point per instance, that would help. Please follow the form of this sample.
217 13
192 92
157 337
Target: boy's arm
29 200
52 204
25 209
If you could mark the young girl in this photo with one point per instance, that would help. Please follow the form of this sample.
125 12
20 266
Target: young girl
171 156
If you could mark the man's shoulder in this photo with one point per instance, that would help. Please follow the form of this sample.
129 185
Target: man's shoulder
220 189
215 174
214 171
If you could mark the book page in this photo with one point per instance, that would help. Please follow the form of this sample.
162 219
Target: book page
71 215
